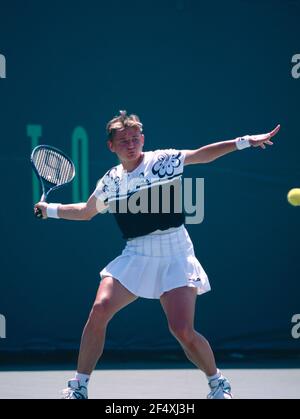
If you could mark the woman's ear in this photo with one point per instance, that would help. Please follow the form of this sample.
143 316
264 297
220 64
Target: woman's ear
110 145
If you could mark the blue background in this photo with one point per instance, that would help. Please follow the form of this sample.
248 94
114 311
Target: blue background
195 73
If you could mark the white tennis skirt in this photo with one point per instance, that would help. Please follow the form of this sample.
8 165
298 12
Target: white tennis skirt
158 262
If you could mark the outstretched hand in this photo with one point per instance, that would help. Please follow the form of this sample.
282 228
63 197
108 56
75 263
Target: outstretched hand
263 139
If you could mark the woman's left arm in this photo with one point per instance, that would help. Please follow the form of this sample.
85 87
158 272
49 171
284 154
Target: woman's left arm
213 151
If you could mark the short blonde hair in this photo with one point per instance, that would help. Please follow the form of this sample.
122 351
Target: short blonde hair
123 121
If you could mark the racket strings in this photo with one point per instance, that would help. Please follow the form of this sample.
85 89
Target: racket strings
53 167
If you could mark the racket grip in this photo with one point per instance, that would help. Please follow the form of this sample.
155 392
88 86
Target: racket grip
38 213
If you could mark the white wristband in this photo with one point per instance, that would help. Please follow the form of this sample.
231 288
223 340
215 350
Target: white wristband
52 210
243 142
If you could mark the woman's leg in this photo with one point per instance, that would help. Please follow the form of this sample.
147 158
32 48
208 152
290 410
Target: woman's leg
179 306
111 297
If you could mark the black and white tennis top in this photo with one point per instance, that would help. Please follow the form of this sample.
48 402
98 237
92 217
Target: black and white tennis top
146 199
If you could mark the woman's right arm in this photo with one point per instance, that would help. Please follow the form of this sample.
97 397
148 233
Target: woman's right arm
83 211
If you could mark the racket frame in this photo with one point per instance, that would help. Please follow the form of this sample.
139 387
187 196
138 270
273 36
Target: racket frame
43 182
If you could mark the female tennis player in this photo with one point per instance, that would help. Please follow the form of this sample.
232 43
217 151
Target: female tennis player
158 260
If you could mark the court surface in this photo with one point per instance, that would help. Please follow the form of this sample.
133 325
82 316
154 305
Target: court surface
152 384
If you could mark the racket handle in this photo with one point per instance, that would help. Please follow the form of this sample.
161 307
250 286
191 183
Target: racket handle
37 211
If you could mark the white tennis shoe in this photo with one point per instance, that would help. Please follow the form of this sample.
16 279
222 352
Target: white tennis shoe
220 389
75 391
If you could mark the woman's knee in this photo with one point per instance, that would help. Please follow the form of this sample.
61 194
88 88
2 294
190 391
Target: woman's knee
183 333
101 311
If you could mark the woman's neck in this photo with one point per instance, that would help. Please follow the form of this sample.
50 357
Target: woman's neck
129 166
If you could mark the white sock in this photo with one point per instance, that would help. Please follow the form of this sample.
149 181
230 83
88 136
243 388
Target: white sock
214 377
82 378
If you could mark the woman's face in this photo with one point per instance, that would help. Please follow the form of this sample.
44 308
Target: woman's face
127 144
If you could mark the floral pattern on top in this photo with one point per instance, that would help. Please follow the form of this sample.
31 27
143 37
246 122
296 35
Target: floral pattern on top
166 164
111 183
158 165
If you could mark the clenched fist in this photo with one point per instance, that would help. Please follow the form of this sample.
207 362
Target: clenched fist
41 207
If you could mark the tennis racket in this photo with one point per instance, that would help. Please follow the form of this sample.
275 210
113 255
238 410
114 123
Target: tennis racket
53 168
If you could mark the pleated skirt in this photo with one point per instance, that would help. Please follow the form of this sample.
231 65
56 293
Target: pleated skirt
158 262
